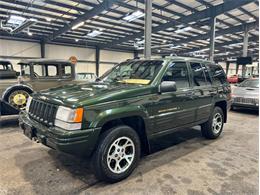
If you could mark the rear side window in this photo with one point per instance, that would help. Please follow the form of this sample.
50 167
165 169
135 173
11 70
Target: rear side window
217 73
198 74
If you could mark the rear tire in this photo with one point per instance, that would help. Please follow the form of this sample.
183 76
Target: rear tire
214 126
117 154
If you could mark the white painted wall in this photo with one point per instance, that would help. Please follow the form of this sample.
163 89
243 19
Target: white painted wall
19 49
65 52
32 50
114 56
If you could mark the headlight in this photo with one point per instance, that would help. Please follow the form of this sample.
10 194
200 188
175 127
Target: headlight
68 118
28 103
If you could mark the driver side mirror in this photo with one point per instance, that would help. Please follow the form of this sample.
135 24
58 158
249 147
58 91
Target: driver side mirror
167 86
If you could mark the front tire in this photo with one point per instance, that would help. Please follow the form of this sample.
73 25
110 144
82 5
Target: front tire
214 126
18 98
117 154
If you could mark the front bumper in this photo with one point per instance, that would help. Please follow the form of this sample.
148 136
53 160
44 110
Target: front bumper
76 142
250 106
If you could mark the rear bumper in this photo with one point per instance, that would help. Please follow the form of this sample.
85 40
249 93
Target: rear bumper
77 142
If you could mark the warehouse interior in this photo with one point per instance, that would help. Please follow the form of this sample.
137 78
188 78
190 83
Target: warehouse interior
102 33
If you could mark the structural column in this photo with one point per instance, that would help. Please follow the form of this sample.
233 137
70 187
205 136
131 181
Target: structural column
42 43
135 54
245 50
227 67
212 38
97 60
148 29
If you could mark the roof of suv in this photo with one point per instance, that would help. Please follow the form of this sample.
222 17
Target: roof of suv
44 61
186 58
178 58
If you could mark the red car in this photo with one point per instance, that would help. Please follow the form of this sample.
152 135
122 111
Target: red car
233 78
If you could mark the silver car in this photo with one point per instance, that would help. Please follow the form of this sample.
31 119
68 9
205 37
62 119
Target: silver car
86 76
246 94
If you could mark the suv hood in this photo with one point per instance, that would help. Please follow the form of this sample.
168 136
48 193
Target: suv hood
246 92
74 95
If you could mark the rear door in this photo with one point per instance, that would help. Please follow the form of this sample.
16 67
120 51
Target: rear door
176 108
202 90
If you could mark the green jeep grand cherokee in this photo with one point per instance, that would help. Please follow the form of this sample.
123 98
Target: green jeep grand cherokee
114 119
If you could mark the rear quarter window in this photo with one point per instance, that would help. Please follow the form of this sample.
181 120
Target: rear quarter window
217 74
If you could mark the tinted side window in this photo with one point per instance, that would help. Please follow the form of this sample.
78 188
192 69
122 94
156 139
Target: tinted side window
217 73
198 74
178 72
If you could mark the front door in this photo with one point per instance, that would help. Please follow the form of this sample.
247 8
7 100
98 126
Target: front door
174 109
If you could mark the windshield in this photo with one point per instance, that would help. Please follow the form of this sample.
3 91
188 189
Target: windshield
254 83
134 72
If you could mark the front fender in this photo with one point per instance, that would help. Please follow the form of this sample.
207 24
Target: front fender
117 113
18 85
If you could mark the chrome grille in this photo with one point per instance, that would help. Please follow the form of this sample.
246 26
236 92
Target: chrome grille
245 100
43 112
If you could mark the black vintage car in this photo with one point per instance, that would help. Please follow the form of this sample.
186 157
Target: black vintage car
6 70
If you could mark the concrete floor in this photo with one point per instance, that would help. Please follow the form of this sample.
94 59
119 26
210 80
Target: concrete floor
183 163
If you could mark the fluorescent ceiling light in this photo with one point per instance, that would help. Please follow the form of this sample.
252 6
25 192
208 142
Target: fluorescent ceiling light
183 29
133 16
29 33
48 19
76 40
23 26
16 20
219 37
140 42
174 47
94 33
77 25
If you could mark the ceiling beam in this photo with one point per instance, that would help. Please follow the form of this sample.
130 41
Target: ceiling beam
218 45
231 30
105 5
196 16
248 13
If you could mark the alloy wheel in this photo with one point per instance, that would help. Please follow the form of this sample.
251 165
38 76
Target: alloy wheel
217 123
120 155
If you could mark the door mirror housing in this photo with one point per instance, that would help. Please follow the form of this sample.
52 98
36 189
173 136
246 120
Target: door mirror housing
167 86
